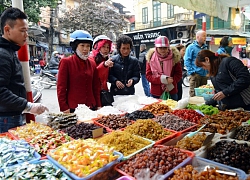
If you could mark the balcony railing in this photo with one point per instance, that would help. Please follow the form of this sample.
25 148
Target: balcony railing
162 22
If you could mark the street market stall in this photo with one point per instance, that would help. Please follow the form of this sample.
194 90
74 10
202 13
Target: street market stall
137 138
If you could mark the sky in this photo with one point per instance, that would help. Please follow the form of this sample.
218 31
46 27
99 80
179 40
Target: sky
127 3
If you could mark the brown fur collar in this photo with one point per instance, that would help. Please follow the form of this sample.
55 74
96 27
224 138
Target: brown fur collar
176 54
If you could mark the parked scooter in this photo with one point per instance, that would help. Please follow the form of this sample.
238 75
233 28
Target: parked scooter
185 78
48 79
36 89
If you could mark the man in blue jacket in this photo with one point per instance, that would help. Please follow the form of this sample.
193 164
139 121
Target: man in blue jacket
197 74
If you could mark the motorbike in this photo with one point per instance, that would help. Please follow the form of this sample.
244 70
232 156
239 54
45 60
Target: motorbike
48 79
185 78
36 89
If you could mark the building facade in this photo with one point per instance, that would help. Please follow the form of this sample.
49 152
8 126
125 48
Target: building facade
153 19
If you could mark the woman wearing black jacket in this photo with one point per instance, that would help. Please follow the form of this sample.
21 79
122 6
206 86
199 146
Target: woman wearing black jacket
125 72
230 78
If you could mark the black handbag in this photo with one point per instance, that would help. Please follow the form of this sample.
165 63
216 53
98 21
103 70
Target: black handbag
123 91
106 98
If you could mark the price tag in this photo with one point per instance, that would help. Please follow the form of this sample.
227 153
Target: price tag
97 132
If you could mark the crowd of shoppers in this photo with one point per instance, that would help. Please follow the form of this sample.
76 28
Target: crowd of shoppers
82 76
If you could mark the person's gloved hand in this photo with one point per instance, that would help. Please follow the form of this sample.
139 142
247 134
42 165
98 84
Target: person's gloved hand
35 108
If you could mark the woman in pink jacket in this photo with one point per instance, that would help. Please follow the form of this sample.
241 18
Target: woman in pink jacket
163 69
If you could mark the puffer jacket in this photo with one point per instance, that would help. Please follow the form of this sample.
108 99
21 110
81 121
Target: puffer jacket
176 73
123 70
54 63
13 93
233 79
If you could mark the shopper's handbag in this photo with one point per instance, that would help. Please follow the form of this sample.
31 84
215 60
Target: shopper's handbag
123 91
106 98
165 96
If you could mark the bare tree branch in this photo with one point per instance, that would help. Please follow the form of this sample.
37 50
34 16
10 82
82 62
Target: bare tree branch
93 16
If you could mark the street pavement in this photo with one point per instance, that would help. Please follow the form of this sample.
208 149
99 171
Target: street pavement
49 98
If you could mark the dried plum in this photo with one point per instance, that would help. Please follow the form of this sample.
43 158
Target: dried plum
82 130
140 114
232 154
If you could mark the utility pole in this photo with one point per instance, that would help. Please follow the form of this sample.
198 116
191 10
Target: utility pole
51 30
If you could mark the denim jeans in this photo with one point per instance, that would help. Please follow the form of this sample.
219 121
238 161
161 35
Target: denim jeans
145 85
8 122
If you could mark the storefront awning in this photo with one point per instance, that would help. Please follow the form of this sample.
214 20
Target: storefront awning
42 45
227 32
216 8
161 27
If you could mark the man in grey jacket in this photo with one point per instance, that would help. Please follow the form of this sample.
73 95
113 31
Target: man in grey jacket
142 62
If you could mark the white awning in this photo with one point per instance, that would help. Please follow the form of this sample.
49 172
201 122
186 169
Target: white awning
216 8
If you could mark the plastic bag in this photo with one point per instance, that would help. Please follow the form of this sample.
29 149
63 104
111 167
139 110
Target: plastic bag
182 103
165 96
144 174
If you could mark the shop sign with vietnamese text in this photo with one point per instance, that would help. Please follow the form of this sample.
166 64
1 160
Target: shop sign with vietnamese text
241 41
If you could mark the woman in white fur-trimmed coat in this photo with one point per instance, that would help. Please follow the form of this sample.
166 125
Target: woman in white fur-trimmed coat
163 69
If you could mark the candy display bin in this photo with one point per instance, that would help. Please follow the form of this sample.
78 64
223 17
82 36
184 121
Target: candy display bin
35 158
199 164
105 173
204 153
165 176
124 178
174 141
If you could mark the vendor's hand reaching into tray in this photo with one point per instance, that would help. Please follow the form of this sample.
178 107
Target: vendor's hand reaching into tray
219 96
35 108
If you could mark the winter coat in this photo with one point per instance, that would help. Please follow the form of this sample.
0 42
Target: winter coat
225 50
233 88
77 83
54 63
103 73
156 84
190 57
123 70
13 93
142 61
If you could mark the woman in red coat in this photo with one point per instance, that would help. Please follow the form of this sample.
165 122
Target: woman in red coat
78 81
163 69
100 54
